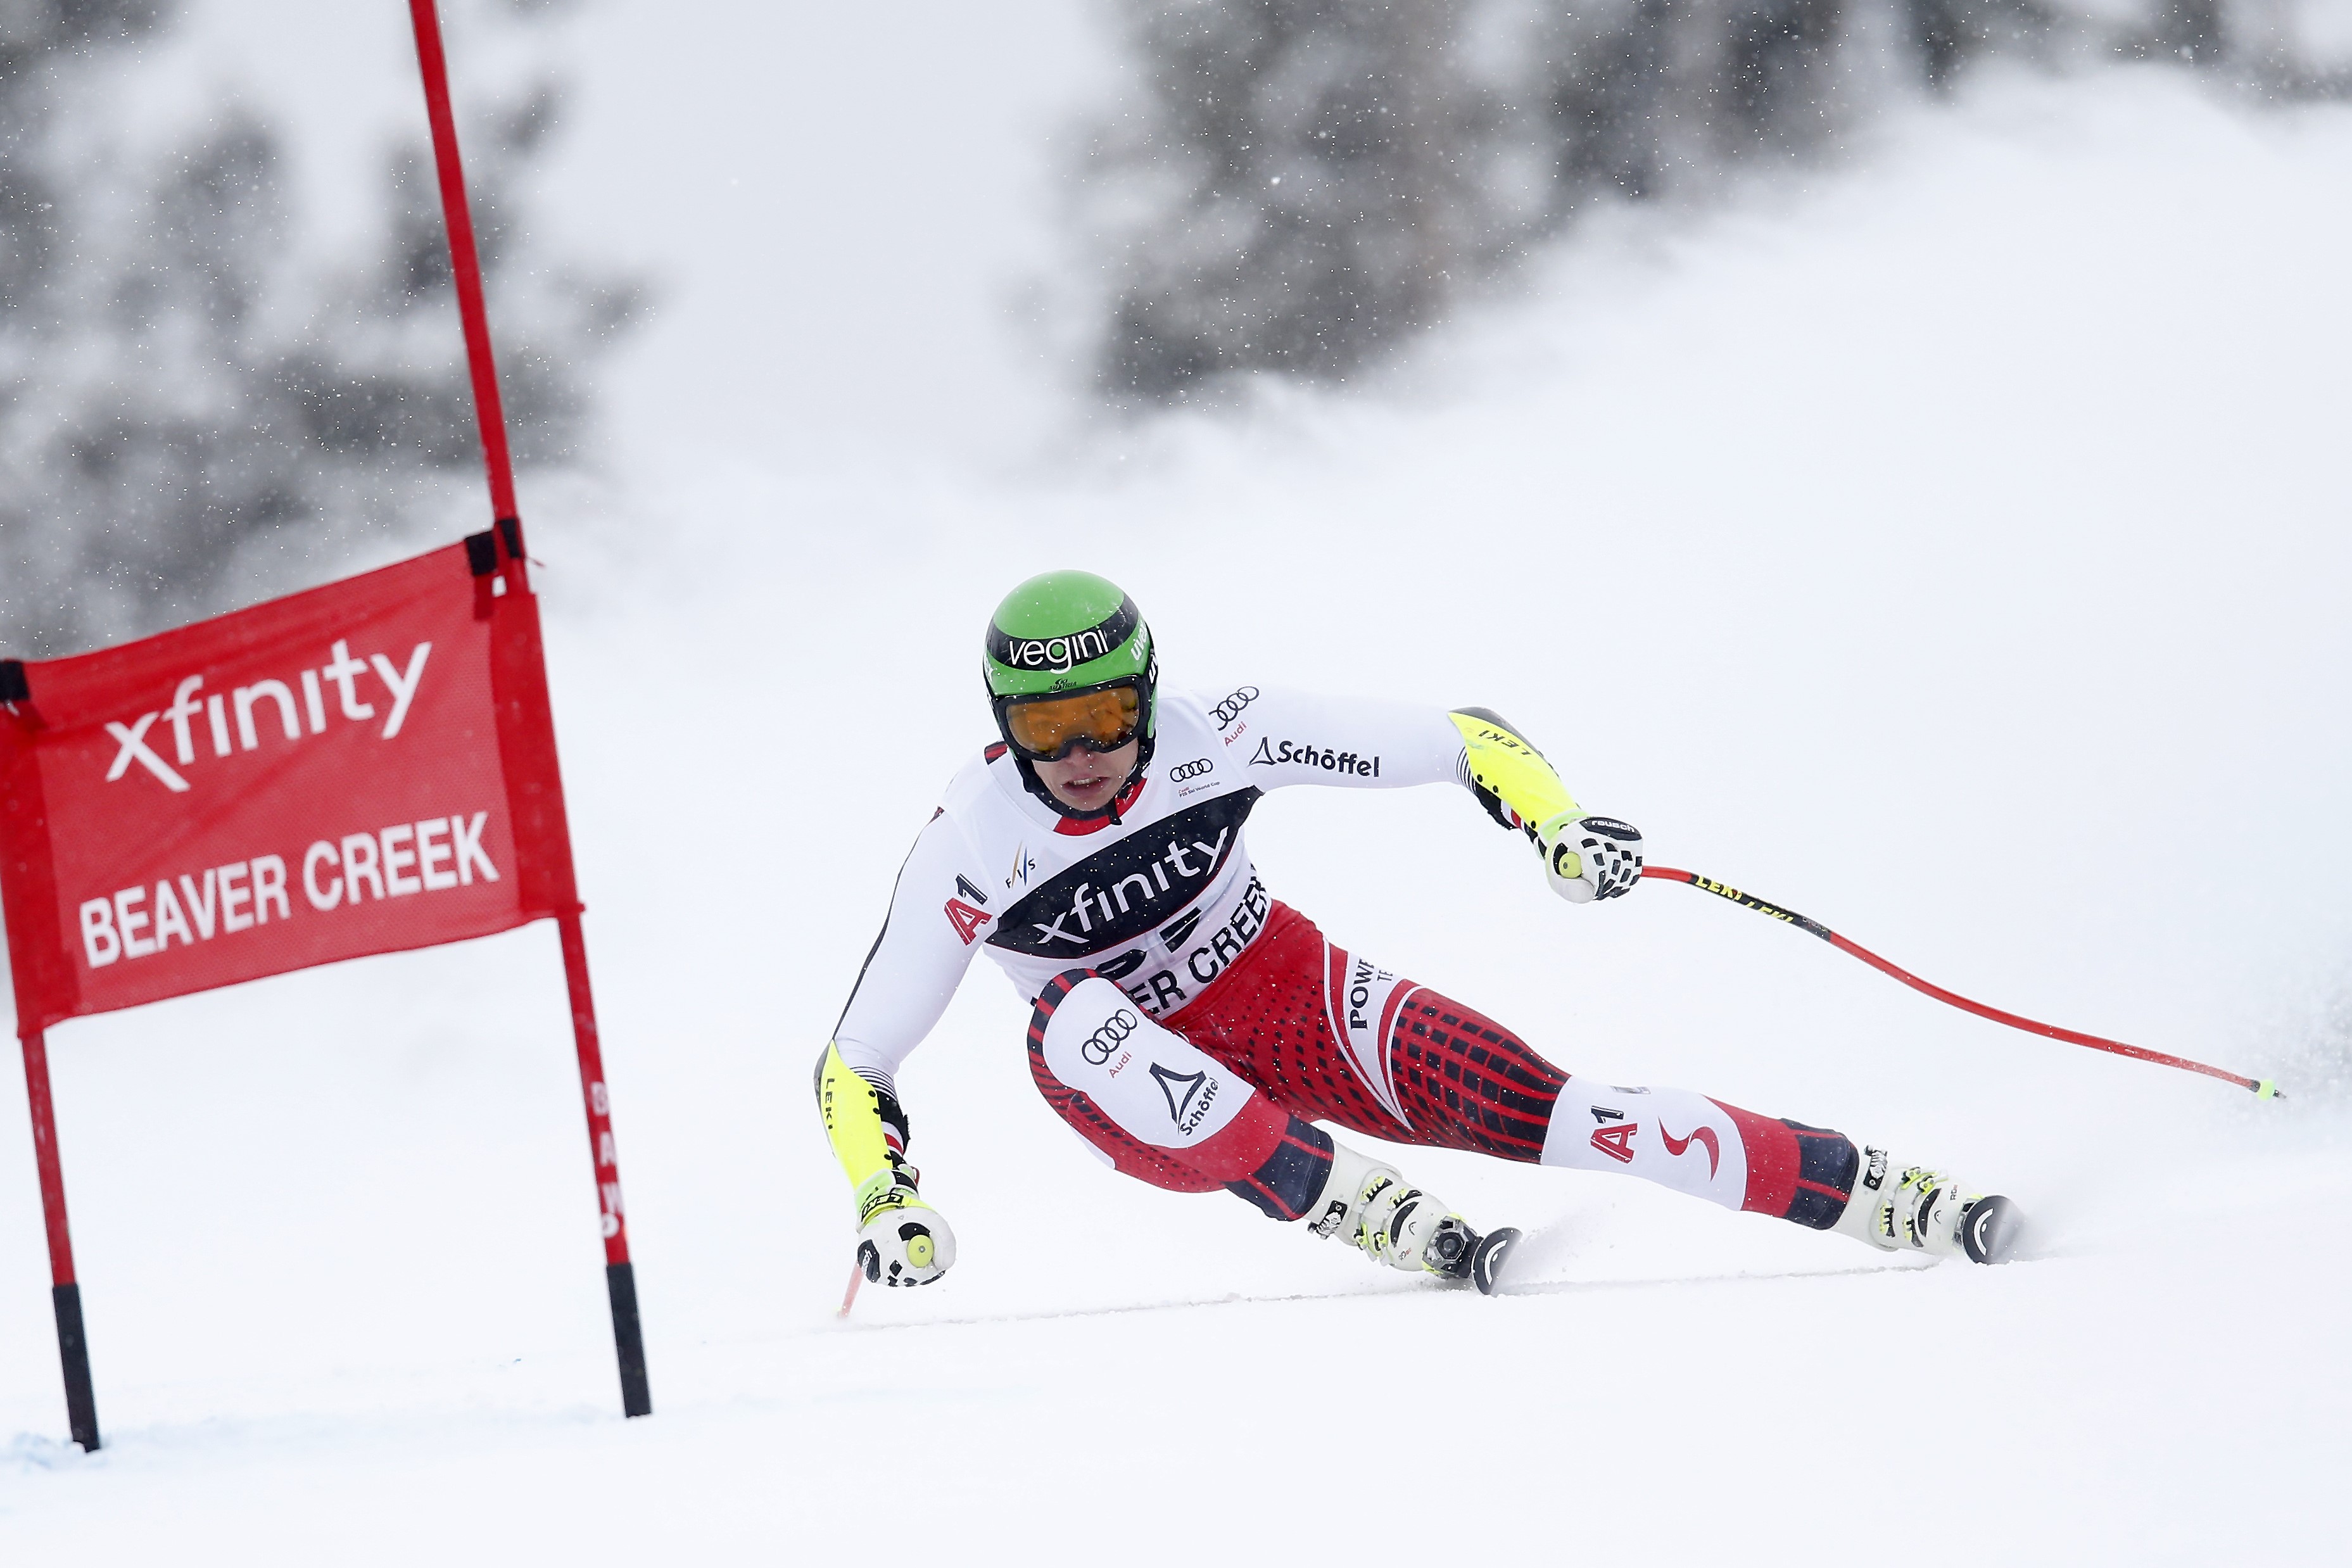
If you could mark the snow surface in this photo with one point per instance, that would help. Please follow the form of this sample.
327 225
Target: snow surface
1951 546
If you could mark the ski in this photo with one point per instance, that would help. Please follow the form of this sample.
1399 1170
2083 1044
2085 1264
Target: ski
1989 1229
1489 1257
1470 1255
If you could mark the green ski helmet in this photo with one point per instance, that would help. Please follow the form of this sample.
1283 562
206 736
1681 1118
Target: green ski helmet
1063 636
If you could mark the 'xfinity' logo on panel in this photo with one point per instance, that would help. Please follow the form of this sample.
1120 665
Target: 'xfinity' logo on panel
343 672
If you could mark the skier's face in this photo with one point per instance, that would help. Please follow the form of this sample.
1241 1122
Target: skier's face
1084 782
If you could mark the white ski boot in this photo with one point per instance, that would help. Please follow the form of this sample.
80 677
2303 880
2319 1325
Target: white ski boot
1370 1204
1389 1222
1920 1210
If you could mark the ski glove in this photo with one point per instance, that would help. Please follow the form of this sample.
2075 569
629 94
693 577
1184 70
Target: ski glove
1587 858
901 1240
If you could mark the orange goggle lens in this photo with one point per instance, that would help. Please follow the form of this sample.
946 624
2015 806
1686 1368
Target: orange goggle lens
1101 720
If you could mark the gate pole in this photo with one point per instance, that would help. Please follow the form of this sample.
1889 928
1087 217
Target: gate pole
466 266
65 1293
620 1277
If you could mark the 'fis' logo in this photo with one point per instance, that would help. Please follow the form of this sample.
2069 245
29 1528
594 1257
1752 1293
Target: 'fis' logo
190 703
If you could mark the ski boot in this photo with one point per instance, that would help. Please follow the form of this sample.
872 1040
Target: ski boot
1369 1205
1921 1210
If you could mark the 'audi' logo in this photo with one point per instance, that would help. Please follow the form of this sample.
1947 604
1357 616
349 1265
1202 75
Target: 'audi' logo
1190 770
1228 710
1108 1038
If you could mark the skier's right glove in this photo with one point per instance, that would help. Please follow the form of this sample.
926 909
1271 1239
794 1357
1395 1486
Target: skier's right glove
901 1240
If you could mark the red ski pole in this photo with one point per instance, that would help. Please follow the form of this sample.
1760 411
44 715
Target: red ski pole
2263 1088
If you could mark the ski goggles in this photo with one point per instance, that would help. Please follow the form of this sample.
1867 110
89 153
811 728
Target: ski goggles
1047 729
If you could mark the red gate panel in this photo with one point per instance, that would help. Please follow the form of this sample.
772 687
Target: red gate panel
363 768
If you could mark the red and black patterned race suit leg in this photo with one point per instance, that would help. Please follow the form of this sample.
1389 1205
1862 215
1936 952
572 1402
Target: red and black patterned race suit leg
1161 1111
1799 1173
1422 1070
1332 1037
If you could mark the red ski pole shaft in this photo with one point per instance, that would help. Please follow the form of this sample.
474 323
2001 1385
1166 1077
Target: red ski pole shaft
2264 1088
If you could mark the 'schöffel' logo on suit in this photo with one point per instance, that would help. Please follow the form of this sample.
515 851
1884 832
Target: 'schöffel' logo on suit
1189 1095
1106 1039
1307 755
1230 709
1190 770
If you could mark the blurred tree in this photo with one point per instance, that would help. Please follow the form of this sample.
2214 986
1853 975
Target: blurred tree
2190 27
1630 98
191 418
1946 34
1300 184
1303 182
1307 194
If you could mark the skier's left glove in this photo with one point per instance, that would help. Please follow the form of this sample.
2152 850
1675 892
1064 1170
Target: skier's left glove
1587 858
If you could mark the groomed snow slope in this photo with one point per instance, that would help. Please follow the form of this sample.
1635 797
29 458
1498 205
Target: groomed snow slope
1953 549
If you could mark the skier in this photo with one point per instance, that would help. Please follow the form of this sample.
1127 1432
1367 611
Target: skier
1193 1029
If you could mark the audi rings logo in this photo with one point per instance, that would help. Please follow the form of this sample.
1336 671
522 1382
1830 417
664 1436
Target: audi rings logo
1110 1037
1190 770
1228 710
